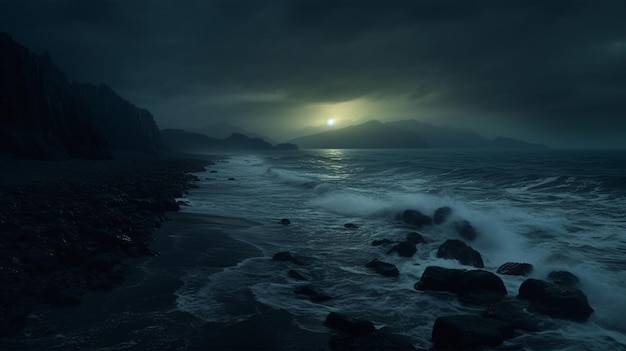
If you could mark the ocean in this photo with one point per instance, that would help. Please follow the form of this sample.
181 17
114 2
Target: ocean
557 210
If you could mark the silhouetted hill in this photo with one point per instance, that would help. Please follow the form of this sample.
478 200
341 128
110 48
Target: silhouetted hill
222 130
182 141
369 135
44 116
449 137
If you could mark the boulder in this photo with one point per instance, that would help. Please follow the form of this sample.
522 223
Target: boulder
564 278
285 221
465 230
458 250
416 218
474 286
382 242
441 214
555 301
348 324
513 311
310 292
415 238
350 226
283 256
465 331
514 268
383 268
404 248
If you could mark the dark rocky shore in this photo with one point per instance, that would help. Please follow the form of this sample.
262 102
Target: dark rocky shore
68 227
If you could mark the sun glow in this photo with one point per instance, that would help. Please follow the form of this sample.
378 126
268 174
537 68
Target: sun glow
330 122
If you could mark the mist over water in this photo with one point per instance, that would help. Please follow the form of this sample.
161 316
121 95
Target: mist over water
558 210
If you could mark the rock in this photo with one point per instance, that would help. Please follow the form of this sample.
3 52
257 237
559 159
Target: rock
283 256
311 293
351 325
465 230
514 268
439 279
374 341
297 275
383 268
404 248
212 171
564 278
513 312
416 218
458 250
474 286
555 301
382 242
469 331
415 238
350 226
285 221
231 178
441 214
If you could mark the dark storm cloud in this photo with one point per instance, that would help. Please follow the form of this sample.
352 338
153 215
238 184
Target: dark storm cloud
558 68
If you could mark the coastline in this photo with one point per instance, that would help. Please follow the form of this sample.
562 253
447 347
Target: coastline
69 228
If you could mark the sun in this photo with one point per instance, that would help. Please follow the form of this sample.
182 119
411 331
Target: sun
330 122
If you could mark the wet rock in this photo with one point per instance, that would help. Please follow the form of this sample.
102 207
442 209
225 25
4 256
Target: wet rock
283 256
212 171
383 268
555 301
465 230
404 248
513 311
416 218
469 331
564 278
285 221
350 226
382 242
297 275
348 324
441 214
514 268
310 292
473 286
458 250
415 238
231 178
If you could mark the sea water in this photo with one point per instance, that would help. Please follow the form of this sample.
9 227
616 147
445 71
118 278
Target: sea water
557 210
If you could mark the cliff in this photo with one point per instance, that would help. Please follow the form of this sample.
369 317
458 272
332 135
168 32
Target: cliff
44 116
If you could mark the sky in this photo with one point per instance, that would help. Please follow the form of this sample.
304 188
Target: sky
540 70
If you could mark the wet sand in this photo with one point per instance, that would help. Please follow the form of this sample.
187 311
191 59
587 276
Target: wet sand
142 313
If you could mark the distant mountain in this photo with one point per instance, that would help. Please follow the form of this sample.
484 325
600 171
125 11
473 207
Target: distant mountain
450 137
183 141
369 135
44 116
223 129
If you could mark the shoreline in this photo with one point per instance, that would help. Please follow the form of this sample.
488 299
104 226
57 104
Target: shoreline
69 228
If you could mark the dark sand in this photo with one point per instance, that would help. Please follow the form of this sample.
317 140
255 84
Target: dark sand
141 314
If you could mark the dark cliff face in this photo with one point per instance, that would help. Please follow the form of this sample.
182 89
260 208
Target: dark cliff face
124 125
40 116
44 116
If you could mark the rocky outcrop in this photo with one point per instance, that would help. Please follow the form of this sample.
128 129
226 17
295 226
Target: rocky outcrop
416 218
404 248
556 301
457 250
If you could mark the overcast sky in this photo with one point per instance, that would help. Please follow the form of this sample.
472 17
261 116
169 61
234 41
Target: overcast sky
545 71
